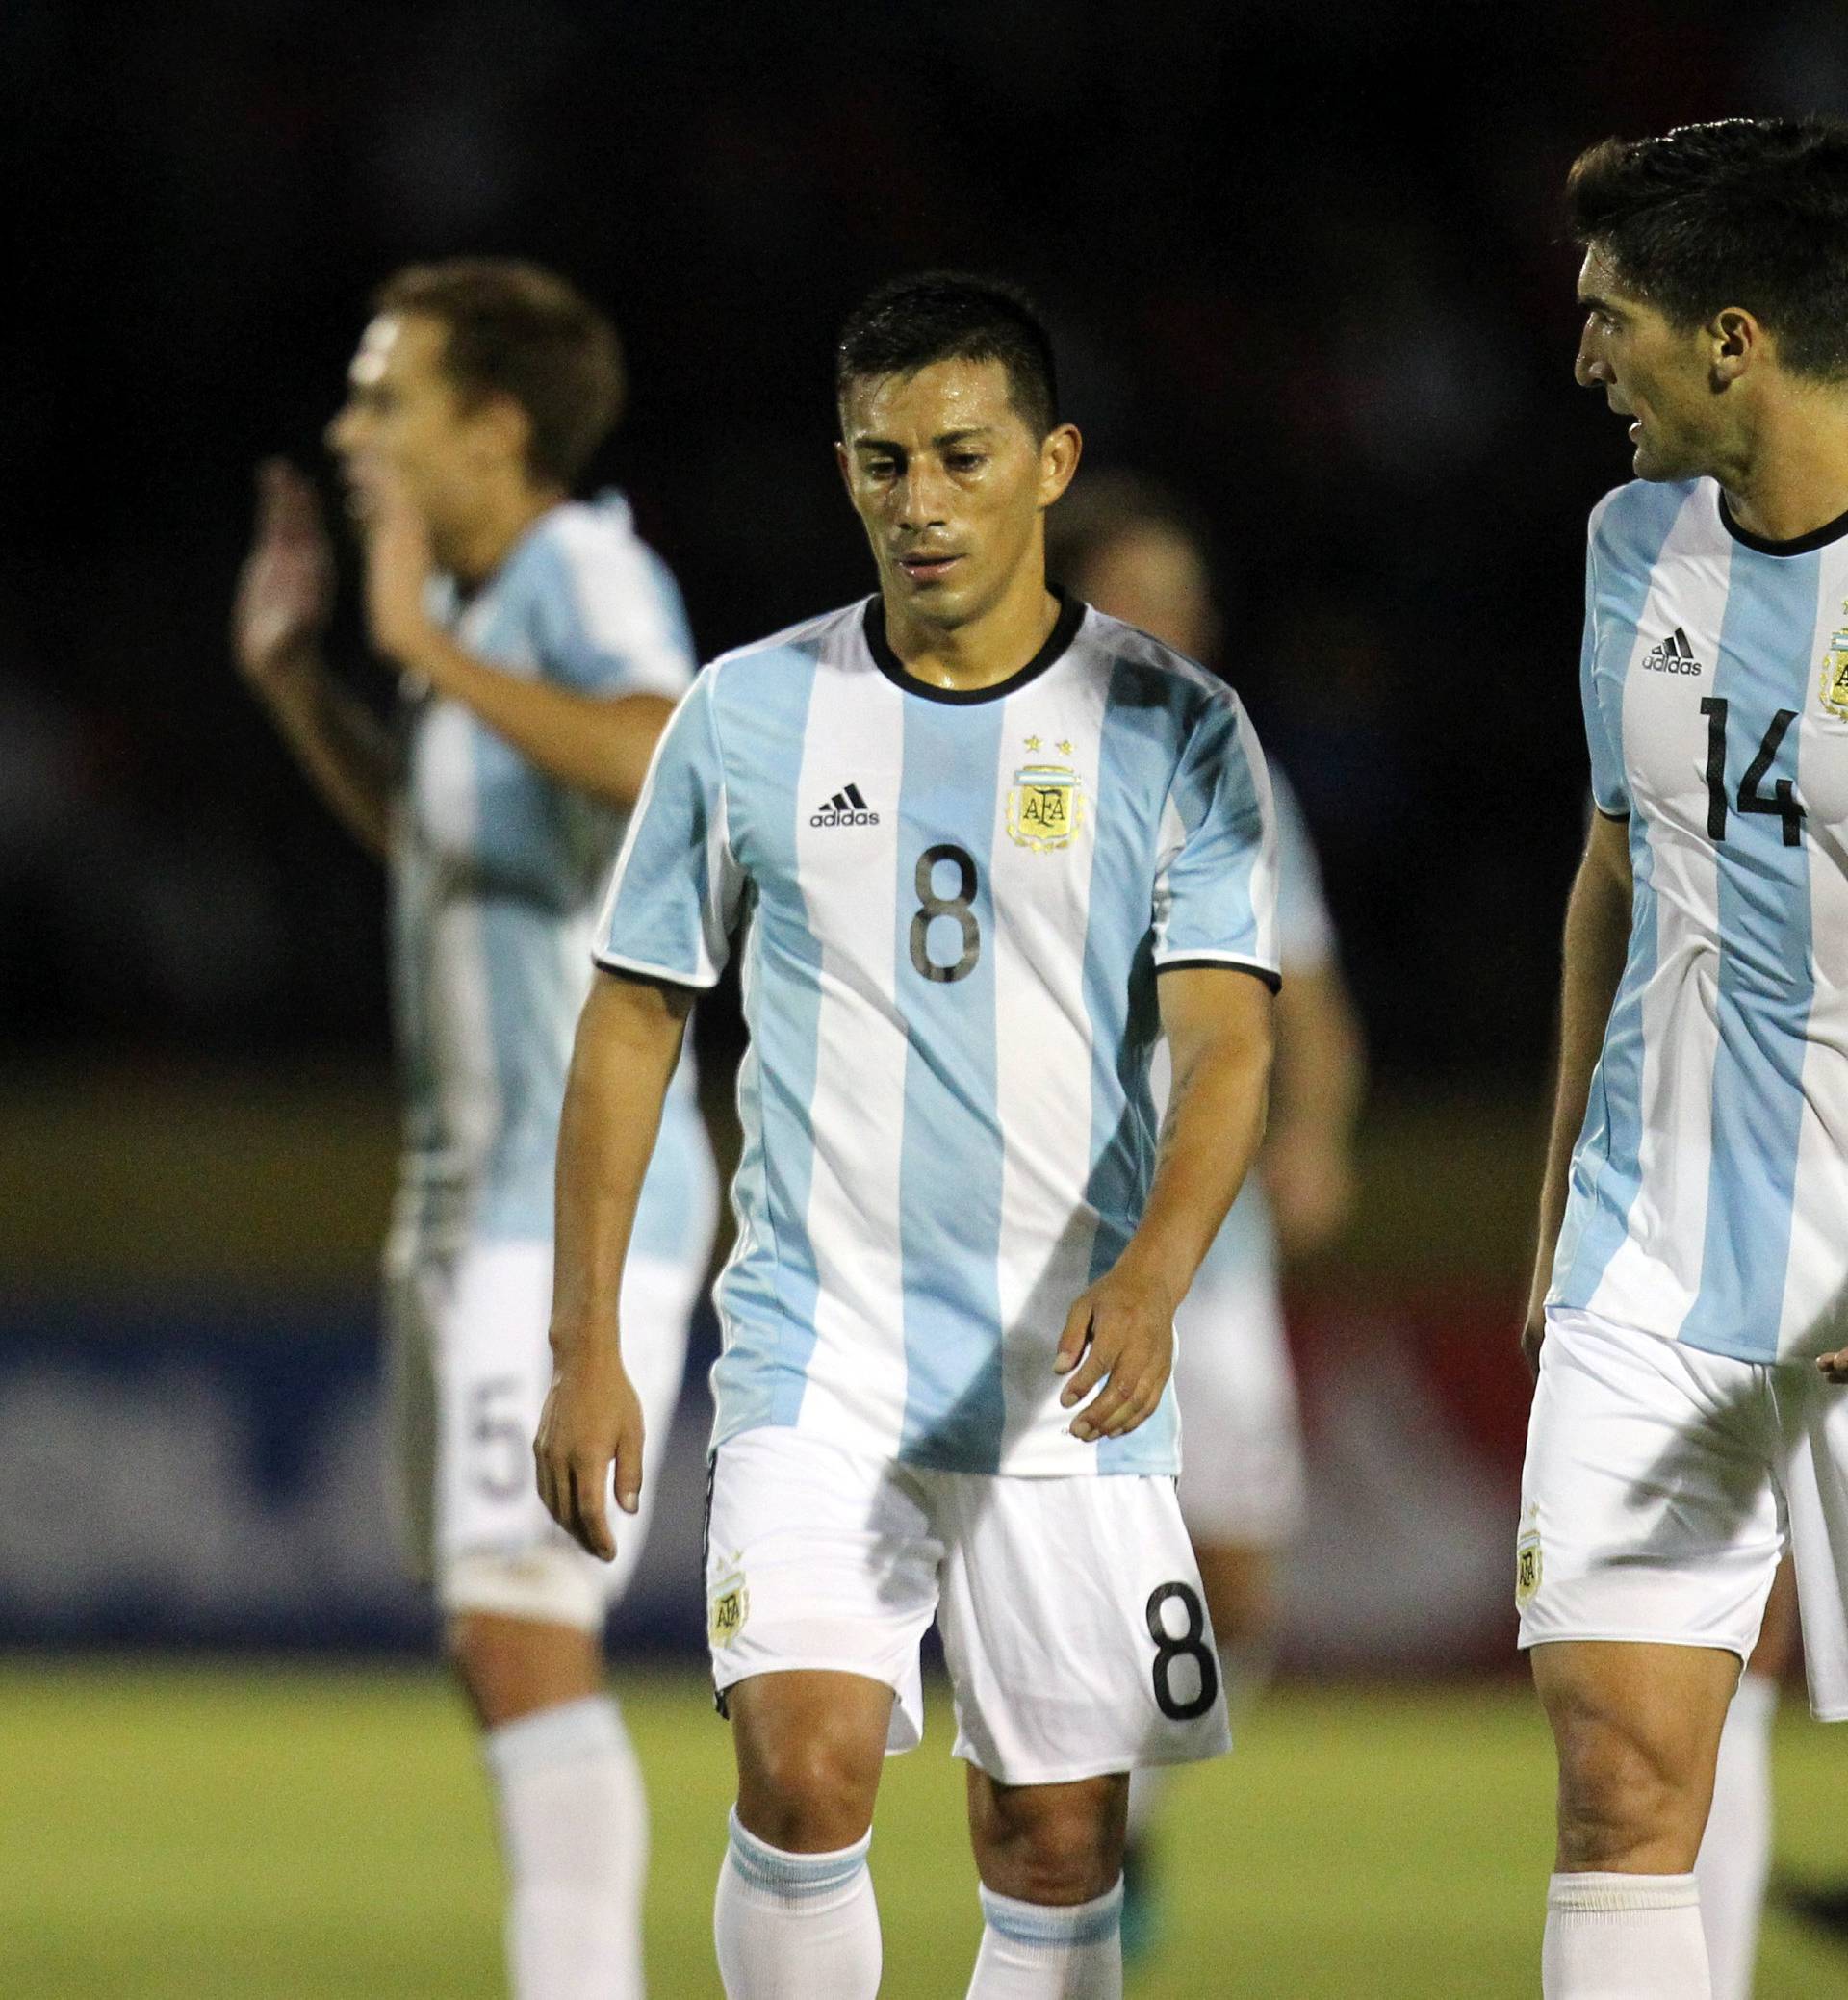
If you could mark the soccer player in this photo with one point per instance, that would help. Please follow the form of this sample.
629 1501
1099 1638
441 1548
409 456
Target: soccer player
539 646
1131 550
1690 1301
978 846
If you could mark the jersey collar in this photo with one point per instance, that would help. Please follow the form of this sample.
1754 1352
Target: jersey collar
1071 615
1801 545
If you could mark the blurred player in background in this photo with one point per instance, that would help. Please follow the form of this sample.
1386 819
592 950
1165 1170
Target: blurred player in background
1132 550
539 647
1690 1296
983 846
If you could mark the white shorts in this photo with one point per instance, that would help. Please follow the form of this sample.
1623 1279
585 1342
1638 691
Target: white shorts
1663 1485
1071 1614
470 1367
1242 1476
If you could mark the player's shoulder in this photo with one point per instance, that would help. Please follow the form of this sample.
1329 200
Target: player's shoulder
1630 523
595 537
795 648
1145 672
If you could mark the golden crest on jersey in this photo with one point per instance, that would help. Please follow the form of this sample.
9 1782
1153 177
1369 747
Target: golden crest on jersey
730 1607
1834 671
1045 804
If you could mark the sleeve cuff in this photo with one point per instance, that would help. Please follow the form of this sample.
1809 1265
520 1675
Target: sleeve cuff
658 975
1224 961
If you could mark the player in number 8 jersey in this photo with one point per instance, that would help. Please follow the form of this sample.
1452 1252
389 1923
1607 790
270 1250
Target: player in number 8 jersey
978 846
1693 1269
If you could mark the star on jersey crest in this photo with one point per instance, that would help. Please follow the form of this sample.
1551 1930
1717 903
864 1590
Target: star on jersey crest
1033 743
1064 747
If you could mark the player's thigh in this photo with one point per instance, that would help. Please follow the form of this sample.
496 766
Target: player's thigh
1649 1509
1637 1729
1242 1476
496 1551
1814 1472
1075 1626
819 1562
512 1667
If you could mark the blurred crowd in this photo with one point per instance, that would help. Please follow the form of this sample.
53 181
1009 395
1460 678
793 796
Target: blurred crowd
1303 262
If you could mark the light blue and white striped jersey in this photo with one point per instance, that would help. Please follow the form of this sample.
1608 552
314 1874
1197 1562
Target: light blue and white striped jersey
495 875
1245 1252
953 907
1709 1188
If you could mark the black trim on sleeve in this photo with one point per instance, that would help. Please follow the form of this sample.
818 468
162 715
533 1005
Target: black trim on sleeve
650 979
1065 629
1801 545
1273 980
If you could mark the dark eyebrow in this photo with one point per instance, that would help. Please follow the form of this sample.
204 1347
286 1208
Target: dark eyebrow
1593 303
943 441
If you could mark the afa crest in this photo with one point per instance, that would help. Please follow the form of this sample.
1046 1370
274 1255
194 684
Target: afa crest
1045 804
1834 672
730 1607
1526 1567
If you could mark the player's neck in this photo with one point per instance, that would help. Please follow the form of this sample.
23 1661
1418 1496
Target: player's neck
1791 476
474 549
987 648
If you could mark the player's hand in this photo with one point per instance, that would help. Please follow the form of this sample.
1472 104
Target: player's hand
1120 1333
1834 1368
1310 1182
592 1420
286 588
399 565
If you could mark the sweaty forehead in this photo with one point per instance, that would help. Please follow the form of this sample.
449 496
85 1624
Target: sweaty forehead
927 402
392 346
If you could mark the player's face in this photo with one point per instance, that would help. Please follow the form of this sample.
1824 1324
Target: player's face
950 484
1151 576
1651 372
403 418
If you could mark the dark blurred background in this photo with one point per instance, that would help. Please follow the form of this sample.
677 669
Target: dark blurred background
1302 260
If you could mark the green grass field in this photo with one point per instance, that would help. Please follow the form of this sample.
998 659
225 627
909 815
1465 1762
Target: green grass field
195 1834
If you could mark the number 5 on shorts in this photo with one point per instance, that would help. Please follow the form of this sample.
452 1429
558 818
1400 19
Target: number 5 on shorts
1190 1644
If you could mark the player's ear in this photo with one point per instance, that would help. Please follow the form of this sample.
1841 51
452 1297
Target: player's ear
1735 341
1059 457
846 466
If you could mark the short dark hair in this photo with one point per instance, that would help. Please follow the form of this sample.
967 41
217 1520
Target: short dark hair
515 329
949 315
1746 211
1099 507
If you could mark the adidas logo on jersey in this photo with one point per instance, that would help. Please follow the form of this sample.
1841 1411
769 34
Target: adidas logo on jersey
1673 655
846 808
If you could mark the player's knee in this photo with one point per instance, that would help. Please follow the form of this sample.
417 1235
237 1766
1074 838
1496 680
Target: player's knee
1620 1795
1051 1844
511 1667
806 1793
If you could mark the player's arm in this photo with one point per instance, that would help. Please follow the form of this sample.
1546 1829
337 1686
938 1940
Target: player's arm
1597 937
596 743
1218 1020
284 594
629 1040
1316 1087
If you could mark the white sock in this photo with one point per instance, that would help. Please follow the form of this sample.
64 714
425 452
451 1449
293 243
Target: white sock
1736 1855
1036 1951
796 1926
1624 1937
574 1835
